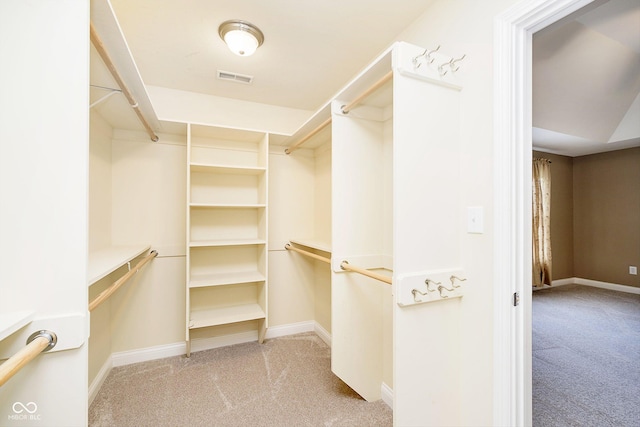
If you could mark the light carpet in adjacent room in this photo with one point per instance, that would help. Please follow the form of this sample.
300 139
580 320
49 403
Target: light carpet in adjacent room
586 357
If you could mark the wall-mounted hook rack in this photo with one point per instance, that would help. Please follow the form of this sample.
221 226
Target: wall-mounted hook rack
415 289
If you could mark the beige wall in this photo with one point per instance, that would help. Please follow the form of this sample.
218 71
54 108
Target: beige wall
561 214
595 216
606 190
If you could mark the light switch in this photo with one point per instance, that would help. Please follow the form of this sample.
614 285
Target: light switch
475 220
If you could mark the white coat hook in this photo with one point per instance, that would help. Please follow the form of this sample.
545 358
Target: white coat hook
129 265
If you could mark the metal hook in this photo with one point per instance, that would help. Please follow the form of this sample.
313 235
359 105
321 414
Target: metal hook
453 280
441 69
427 56
129 265
416 63
415 296
440 288
428 281
453 62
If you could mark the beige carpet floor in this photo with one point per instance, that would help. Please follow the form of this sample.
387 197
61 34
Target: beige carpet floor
285 381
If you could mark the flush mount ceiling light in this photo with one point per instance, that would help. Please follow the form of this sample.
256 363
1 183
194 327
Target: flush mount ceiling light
242 37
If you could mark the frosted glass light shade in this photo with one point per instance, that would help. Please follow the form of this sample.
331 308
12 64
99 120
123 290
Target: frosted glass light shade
241 43
242 38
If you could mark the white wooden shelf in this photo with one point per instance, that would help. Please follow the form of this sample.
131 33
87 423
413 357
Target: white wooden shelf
227 220
107 260
223 169
226 279
227 205
14 320
225 315
313 244
235 242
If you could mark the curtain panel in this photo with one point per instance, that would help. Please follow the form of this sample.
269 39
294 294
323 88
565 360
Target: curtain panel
542 260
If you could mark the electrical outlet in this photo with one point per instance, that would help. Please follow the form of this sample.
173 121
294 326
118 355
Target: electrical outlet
633 270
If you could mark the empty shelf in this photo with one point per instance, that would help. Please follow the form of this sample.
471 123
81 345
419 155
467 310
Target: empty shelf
107 260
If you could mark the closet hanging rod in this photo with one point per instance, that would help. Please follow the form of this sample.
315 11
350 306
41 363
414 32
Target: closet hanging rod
363 95
104 295
346 266
97 43
37 343
307 253
297 145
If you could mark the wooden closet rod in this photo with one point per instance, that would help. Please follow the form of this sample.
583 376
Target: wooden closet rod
37 343
97 43
363 95
121 281
307 253
346 266
297 145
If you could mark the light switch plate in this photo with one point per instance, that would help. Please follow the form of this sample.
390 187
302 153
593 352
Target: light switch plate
475 220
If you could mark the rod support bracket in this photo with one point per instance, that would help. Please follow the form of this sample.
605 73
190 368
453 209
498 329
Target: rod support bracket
51 336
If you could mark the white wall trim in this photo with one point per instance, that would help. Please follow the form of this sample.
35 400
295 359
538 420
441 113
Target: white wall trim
290 329
594 283
123 358
387 395
323 334
97 382
513 31
605 285
202 344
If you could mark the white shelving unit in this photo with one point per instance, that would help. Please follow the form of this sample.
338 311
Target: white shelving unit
226 230
105 261
14 320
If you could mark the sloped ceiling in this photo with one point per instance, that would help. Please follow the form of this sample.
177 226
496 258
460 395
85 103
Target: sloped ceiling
311 48
586 81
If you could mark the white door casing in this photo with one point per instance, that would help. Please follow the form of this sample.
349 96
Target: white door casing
513 31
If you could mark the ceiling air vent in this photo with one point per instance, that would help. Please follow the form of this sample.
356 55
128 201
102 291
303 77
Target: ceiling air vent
234 77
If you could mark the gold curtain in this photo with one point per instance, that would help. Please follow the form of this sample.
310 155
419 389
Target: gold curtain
541 222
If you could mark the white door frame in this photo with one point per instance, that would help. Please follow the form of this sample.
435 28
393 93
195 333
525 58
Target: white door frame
513 31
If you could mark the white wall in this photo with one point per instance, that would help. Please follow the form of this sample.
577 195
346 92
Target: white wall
291 212
466 27
149 208
99 236
44 197
182 106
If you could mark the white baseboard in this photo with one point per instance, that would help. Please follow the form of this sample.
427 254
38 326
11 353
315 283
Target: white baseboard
123 358
562 282
322 333
223 341
594 283
605 285
97 382
387 395
290 329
